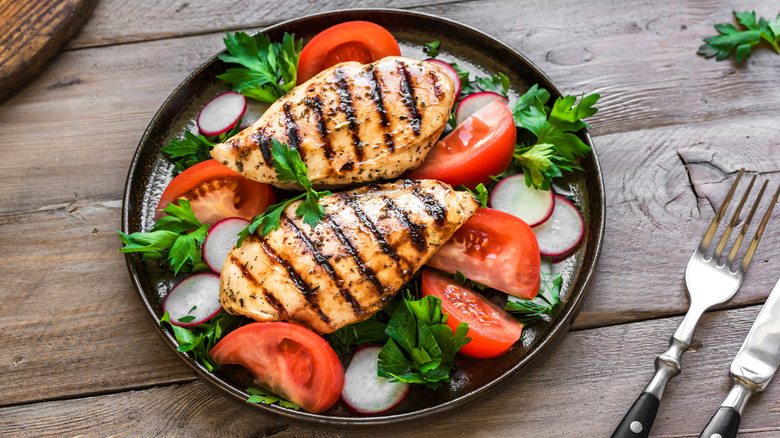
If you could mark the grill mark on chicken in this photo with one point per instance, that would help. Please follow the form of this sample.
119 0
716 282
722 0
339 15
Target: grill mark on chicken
376 94
262 139
416 231
432 206
292 128
407 95
269 297
347 107
350 247
323 261
366 221
315 103
435 82
302 286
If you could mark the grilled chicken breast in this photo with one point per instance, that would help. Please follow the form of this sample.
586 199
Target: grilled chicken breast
351 123
350 265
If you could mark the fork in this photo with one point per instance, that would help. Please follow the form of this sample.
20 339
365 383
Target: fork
709 282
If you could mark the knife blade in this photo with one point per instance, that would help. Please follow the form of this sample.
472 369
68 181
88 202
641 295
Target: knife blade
752 368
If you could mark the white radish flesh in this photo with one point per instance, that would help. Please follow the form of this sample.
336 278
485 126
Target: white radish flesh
220 240
513 196
562 231
473 102
193 300
221 113
364 391
450 70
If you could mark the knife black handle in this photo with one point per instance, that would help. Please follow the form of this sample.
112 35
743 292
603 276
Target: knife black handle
725 424
639 419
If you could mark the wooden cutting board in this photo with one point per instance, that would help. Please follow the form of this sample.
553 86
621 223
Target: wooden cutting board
31 33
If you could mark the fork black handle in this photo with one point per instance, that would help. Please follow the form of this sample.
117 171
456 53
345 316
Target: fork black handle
725 424
639 419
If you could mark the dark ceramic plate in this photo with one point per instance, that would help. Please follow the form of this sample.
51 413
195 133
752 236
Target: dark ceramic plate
481 54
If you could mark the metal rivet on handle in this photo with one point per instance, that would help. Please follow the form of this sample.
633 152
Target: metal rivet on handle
636 427
716 435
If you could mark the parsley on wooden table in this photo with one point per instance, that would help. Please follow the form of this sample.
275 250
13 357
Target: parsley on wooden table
739 41
269 70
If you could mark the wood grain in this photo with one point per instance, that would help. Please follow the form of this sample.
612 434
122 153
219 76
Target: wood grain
31 33
559 395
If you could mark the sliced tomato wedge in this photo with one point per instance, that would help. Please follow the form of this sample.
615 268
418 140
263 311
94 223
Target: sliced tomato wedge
360 41
481 146
217 192
496 249
492 330
289 360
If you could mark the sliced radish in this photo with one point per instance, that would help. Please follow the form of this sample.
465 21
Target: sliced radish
254 109
513 196
562 231
450 70
473 102
193 300
221 113
222 237
364 391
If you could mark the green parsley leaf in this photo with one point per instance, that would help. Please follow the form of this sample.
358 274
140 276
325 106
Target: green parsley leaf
432 49
480 193
194 149
176 238
421 348
259 395
200 339
741 41
289 166
546 306
369 331
496 83
467 86
269 69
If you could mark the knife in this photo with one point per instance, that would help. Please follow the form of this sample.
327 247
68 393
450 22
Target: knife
752 369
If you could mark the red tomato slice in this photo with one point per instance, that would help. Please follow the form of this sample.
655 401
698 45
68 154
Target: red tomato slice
359 41
481 146
290 360
217 192
496 249
492 330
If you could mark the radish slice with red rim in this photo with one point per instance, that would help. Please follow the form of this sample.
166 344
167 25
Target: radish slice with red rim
473 102
220 240
193 300
364 391
512 195
221 113
562 231
451 72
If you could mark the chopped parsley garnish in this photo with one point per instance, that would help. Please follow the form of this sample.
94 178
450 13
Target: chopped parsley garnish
175 239
421 348
432 49
739 41
289 166
200 339
269 69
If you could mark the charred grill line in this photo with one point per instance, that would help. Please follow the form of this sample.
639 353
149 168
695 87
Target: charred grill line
376 94
292 128
435 82
265 149
347 107
432 206
323 261
315 103
366 221
269 297
302 286
407 95
416 231
367 271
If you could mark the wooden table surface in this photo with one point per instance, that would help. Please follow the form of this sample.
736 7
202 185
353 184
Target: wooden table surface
79 356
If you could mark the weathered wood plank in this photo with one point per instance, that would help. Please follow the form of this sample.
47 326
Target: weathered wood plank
585 385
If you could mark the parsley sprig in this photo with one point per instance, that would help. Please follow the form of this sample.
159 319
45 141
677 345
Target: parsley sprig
259 395
421 348
732 39
194 149
546 306
176 239
200 339
432 49
289 166
269 69
557 145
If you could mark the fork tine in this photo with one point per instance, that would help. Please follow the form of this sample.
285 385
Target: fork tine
743 231
705 241
733 221
754 243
